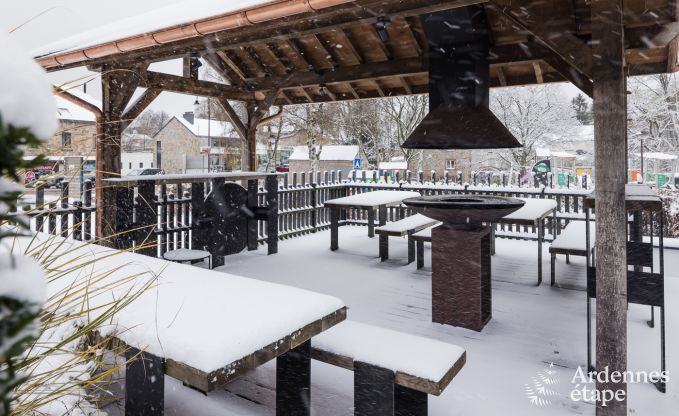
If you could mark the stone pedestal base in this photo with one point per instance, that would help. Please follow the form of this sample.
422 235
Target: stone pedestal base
461 286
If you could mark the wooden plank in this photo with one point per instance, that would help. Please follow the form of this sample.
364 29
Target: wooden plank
223 69
610 155
434 387
141 103
192 86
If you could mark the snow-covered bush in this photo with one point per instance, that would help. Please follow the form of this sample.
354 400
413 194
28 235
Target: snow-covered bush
27 115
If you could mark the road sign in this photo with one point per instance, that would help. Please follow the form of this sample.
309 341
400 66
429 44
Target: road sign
29 176
357 163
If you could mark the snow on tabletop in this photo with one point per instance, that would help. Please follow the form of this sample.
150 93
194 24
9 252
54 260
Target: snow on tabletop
156 19
574 236
425 358
196 316
26 99
534 209
408 223
22 278
371 199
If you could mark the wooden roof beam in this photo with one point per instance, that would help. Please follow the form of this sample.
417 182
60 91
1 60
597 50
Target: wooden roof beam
192 86
141 103
567 46
223 69
364 72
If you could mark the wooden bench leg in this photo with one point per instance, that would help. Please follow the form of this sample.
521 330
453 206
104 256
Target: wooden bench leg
409 402
384 247
334 228
553 269
293 382
411 249
371 222
376 394
420 254
144 384
373 390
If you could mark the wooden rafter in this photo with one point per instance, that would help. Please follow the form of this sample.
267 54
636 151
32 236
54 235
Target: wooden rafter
567 46
223 69
141 103
183 85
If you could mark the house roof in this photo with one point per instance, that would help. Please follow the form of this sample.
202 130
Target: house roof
328 152
203 127
68 111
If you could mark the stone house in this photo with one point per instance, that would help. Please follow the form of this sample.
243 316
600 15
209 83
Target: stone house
186 141
441 161
75 136
331 158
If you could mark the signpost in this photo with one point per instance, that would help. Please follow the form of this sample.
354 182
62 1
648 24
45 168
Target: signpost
357 163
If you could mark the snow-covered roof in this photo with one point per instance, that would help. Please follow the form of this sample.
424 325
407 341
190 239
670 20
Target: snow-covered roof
393 166
658 156
216 128
67 110
328 152
25 93
76 92
156 19
545 152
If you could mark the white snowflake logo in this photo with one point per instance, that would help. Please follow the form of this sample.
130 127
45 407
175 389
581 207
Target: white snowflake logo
538 391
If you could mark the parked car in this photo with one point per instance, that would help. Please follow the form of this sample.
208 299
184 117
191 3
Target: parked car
145 172
54 181
283 168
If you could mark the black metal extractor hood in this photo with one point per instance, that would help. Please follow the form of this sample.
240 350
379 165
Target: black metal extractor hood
459 83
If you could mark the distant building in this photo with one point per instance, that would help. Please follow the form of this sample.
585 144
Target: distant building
442 161
331 158
75 136
186 141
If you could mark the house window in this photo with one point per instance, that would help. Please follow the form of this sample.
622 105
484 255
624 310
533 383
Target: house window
65 139
450 164
130 165
141 164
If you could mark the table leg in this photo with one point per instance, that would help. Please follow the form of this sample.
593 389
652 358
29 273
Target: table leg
334 228
383 215
411 249
541 234
384 247
420 254
293 382
144 384
371 222
271 184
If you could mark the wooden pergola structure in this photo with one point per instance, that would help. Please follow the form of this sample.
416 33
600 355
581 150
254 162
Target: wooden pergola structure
309 51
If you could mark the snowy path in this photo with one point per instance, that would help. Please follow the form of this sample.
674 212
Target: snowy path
531 328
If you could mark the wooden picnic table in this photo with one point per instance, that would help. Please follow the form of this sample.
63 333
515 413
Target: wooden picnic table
202 327
533 213
369 201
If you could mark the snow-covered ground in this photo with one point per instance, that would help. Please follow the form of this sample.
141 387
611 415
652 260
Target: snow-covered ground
532 327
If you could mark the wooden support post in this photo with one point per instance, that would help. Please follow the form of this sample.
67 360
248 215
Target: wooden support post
610 114
252 222
118 85
271 184
293 382
144 384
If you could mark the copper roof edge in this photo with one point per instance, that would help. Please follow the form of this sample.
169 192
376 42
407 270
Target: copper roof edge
192 29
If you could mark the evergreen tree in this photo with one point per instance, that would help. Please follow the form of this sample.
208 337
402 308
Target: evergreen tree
583 111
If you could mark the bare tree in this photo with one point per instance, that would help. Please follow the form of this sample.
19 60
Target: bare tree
402 116
150 122
531 114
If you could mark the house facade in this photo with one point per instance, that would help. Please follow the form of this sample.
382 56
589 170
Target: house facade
188 144
442 161
331 158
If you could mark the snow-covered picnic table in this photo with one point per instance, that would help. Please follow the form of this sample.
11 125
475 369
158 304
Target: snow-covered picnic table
533 213
369 201
204 328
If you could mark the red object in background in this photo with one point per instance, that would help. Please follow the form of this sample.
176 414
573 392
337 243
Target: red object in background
282 169
635 175
29 176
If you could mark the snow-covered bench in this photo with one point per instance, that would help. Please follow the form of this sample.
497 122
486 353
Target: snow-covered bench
571 242
393 372
401 228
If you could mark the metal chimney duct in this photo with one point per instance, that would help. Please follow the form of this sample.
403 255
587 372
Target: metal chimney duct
459 84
